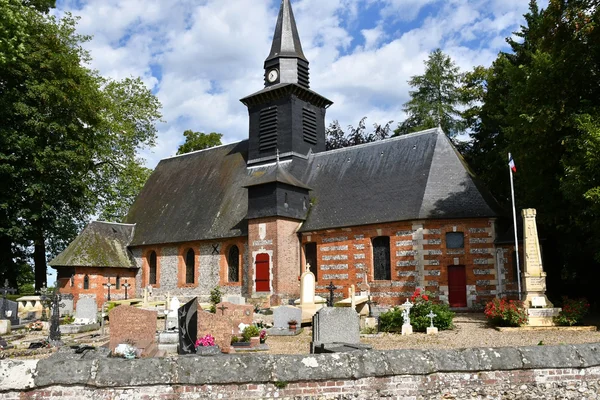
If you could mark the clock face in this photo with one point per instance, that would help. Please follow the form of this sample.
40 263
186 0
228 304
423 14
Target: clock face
273 75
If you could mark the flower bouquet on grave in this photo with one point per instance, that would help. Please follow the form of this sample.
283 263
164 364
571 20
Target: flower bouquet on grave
35 326
263 336
205 346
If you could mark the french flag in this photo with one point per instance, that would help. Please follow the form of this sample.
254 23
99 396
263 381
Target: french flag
511 163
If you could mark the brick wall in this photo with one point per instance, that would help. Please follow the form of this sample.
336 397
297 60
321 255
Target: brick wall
539 372
98 277
278 238
419 258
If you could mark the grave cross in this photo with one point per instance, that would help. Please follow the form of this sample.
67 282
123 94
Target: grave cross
44 297
108 285
406 306
431 316
55 317
222 308
370 304
331 288
126 286
5 290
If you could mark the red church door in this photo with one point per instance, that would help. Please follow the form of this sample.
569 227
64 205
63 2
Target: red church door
263 276
457 286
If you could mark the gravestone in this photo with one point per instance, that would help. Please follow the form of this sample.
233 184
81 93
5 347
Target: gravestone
173 316
307 295
235 299
30 307
131 325
66 307
86 311
13 308
188 326
336 329
238 313
283 314
217 325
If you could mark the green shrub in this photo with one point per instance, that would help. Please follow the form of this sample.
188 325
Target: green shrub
234 339
423 303
573 311
250 331
215 298
506 313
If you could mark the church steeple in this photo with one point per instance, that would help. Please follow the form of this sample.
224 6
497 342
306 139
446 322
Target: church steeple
287 119
286 62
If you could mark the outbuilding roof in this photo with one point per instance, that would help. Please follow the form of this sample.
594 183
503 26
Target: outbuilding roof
201 195
100 244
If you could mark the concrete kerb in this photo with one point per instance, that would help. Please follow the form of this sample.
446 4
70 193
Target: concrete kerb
263 368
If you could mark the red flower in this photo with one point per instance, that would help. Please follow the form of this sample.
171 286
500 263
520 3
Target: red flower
425 297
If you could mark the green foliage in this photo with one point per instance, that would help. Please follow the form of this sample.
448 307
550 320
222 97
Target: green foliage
195 141
336 137
249 332
572 312
216 295
27 289
67 135
436 98
423 303
234 339
280 384
67 320
506 313
391 320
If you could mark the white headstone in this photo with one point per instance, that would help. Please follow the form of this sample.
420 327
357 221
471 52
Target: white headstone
307 288
86 310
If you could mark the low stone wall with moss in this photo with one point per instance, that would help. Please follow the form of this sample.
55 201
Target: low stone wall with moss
542 372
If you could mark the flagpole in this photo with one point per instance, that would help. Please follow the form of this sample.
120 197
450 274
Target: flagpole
512 191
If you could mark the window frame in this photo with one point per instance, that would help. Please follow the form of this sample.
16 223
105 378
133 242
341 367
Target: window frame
388 270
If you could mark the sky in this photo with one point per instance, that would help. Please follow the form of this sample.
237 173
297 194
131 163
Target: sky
199 57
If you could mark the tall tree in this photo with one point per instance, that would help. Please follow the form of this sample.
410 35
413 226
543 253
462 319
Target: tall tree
542 103
436 98
336 137
195 141
65 133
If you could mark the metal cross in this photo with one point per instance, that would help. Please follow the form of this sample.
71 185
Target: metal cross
5 290
44 291
126 286
222 308
331 288
108 285
215 249
431 316
55 318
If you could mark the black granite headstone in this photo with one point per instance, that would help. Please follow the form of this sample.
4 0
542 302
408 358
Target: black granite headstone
13 307
188 326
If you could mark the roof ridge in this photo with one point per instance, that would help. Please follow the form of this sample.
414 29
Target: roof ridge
111 223
199 151
376 142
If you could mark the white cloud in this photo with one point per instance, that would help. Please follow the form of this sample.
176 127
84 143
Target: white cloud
201 57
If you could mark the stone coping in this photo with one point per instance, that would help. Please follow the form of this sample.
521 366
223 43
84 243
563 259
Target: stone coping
547 328
101 371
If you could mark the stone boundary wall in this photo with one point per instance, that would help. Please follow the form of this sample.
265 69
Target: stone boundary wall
541 372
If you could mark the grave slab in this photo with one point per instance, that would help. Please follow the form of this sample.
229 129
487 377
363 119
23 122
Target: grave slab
238 313
87 310
133 326
336 328
217 325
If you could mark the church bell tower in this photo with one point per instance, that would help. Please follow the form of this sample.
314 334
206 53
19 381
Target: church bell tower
286 117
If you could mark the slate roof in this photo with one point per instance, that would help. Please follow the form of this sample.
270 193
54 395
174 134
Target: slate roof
202 195
100 244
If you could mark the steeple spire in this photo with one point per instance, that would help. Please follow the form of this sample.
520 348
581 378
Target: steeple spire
286 41
286 62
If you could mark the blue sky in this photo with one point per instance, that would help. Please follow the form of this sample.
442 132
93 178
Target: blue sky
201 56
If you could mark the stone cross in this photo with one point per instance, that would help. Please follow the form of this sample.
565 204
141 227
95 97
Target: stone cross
370 304
431 316
406 312
5 290
307 267
222 308
331 288
108 285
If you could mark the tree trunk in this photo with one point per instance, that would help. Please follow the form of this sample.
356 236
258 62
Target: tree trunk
39 259
8 268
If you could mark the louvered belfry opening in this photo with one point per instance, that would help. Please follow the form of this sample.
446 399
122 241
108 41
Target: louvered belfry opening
303 75
268 129
309 126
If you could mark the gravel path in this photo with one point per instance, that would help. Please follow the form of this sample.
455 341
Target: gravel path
471 331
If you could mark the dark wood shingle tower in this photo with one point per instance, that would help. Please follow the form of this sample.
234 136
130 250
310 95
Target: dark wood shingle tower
285 116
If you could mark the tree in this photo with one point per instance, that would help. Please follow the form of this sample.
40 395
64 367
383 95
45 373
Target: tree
195 141
66 134
436 98
542 103
336 137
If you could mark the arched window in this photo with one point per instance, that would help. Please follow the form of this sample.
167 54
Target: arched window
190 263
381 259
152 272
118 283
233 262
86 282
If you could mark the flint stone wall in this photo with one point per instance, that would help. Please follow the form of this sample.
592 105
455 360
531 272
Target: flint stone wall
541 372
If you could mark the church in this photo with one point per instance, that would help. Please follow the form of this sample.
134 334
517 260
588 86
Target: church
250 217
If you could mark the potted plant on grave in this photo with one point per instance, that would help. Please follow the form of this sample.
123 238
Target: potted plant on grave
251 334
292 324
263 336
205 346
